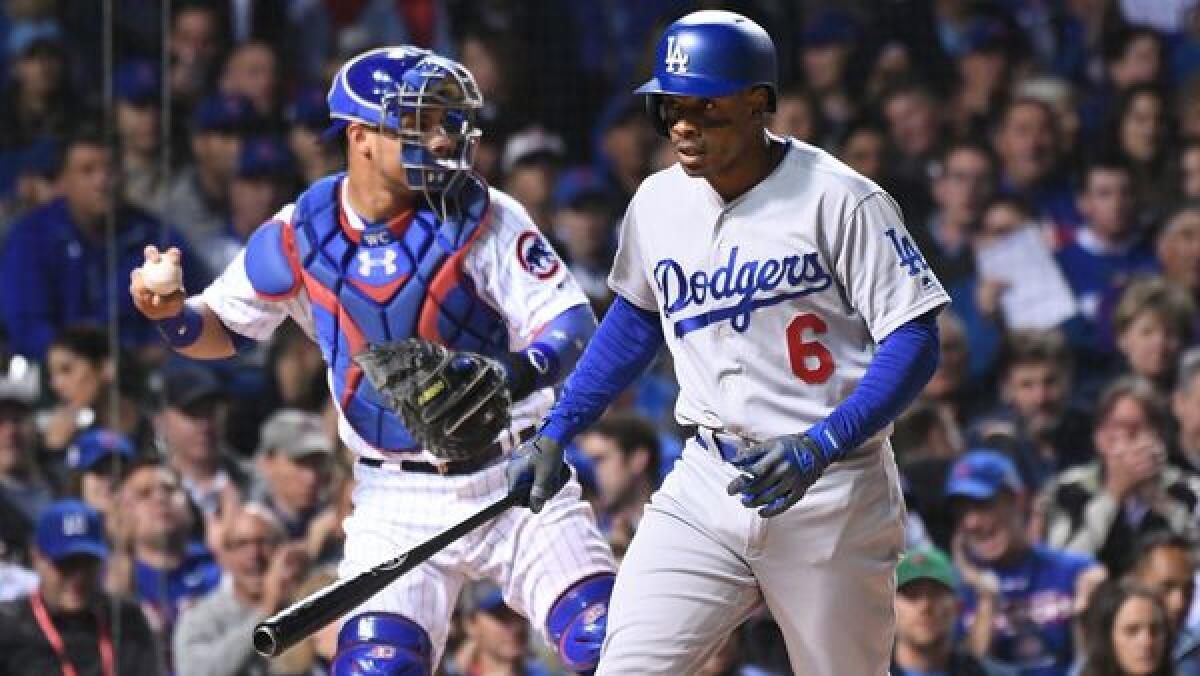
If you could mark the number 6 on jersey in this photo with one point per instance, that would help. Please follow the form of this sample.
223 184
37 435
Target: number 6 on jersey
802 354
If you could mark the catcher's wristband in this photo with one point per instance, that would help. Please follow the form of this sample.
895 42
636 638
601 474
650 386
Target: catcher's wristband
182 330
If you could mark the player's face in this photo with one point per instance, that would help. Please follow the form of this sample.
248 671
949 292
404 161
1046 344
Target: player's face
1168 571
1037 390
990 528
1138 637
1150 345
712 135
925 613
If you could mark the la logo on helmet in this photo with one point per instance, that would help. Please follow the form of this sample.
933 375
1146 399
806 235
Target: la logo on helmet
677 59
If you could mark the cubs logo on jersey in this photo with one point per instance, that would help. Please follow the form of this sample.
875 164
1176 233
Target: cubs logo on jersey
536 257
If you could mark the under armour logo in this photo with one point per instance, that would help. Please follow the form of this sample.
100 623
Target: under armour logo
74 524
676 59
366 263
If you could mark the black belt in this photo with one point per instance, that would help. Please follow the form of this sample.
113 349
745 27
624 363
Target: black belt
451 467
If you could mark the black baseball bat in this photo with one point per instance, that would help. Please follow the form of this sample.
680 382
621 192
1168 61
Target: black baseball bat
292 624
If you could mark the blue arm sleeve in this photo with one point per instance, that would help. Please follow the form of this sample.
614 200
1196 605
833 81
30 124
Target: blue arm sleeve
626 342
903 365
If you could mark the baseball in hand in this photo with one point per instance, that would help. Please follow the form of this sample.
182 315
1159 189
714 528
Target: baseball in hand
163 277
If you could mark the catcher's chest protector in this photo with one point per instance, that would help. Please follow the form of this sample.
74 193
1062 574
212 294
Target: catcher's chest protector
387 283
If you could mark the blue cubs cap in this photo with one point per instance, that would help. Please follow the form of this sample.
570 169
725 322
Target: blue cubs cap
93 446
224 113
828 27
981 475
983 34
24 36
481 597
43 158
712 53
264 157
137 82
357 91
309 109
578 184
70 528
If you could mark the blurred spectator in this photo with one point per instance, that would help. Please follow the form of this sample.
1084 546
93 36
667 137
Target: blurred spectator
67 624
863 146
137 88
326 537
1132 55
1188 167
926 613
16 581
36 103
1020 598
252 71
1035 380
584 216
297 370
1142 131
82 377
915 128
315 654
963 184
295 458
530 164
191 428
984 58
198 198
154 558
1062 98
94 461
1178 247
214 636
1153 322
54 268
797 115
624 142
948 387
625 455
496 637
1026 142
1127 632
493 57
1129 491
1164 563
827 40
260 186
38 166
23 491
195 43
1110 246
1185 405
307 117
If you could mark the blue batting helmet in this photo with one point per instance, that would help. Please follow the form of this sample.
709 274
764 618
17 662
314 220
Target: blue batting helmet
711 53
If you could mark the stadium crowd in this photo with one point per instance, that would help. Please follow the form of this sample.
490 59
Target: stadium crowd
1046 154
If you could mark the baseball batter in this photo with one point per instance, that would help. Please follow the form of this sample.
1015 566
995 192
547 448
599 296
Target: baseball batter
408 243
801 321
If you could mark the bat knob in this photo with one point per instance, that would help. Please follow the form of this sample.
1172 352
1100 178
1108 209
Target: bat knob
266 643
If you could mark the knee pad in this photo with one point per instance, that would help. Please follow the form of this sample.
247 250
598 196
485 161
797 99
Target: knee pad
383 644
578 621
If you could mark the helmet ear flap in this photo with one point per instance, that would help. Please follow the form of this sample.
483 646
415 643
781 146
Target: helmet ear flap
653 103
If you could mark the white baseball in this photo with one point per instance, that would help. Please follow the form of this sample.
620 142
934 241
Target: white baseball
163 278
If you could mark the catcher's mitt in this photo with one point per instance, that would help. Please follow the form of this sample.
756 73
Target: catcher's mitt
452 403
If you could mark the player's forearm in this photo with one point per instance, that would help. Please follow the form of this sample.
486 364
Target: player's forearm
553 352
198 333
624 345
905 362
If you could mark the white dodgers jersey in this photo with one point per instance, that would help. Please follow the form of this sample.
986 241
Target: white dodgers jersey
772 304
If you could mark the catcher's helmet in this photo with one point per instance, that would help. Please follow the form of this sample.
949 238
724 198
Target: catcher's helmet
412 92
710 53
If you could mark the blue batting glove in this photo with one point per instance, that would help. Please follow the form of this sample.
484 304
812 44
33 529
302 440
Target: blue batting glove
778 472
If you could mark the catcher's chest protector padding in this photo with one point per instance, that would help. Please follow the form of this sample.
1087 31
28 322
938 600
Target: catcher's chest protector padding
388 283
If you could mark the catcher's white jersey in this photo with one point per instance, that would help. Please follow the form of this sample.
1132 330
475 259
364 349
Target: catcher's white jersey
772 304
525 293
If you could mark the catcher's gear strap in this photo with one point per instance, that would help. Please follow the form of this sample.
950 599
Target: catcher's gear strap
626 342
898 372
554 352
383 644
578 621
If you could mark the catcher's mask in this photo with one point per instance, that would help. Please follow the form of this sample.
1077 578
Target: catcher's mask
432 109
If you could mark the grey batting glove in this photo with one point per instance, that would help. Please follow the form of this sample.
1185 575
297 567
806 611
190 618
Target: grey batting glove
536 472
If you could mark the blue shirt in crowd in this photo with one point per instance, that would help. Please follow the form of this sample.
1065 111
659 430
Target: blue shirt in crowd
52 275
164 594
1036 608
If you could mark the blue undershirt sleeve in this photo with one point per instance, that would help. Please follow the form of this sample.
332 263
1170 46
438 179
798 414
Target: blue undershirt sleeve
905 362
626 342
